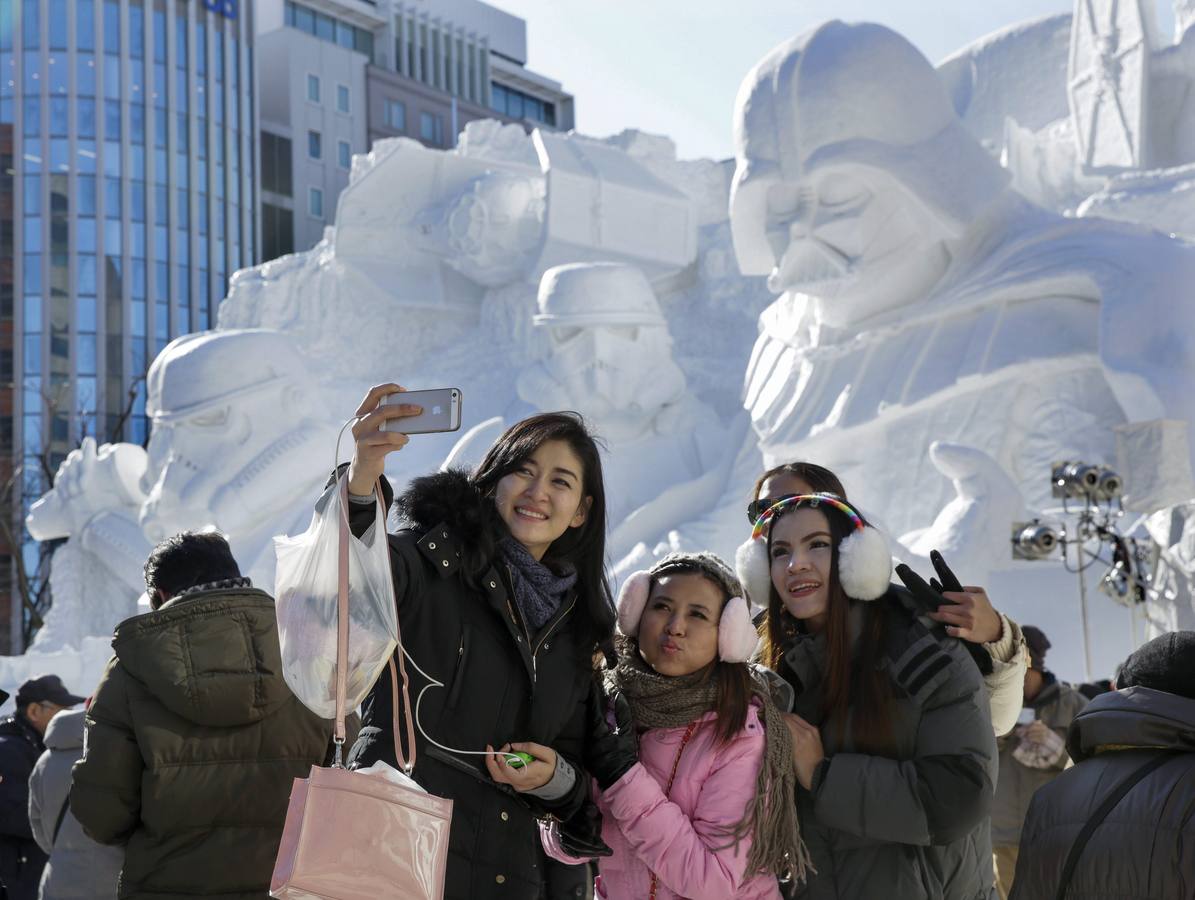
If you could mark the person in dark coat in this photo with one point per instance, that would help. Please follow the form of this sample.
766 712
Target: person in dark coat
1032 755
1145 847
893 744
193 737
21 743
502 598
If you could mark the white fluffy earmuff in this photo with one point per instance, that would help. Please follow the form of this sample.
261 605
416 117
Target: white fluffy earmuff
737 637
754 570
865 563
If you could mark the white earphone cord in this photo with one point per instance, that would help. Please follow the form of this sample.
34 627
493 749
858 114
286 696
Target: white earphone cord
432 682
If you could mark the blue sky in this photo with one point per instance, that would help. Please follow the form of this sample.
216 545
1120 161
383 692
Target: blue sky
673 67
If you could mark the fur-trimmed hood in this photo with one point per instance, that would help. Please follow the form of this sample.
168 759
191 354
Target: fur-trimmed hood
450 498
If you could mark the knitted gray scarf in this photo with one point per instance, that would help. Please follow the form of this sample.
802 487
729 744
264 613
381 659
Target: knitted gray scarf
538 590
662 701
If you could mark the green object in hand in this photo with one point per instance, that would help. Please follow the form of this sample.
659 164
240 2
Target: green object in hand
516 759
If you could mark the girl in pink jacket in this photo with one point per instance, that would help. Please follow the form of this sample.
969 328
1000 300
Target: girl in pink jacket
694 789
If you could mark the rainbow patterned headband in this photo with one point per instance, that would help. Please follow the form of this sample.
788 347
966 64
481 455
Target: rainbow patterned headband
813 500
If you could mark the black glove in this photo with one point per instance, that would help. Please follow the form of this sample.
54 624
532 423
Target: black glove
929 598
581 835
610 753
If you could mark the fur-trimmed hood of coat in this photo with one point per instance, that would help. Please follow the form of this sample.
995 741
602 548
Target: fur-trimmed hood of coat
450 498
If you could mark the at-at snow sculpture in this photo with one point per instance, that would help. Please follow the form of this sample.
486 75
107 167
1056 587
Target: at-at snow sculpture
921 298
424 239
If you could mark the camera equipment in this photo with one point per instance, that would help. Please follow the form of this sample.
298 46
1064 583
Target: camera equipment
1071 480
1033 540
1088 536
1080 481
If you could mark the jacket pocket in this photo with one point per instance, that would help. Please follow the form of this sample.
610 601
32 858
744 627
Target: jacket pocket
458 674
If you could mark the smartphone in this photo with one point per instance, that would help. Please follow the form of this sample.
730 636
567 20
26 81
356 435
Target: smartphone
441 411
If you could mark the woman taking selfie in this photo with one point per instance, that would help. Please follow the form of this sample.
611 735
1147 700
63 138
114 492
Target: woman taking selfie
893 745
501 594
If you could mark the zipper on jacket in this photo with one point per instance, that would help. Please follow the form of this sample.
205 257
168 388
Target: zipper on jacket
518 619
534 648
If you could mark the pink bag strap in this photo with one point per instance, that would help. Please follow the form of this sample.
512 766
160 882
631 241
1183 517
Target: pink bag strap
342 618
342 650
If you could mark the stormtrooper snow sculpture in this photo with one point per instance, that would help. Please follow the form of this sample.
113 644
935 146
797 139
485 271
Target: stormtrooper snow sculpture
922 299
609 357
95 577
241 442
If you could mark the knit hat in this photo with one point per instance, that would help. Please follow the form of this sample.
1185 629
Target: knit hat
737 637
1167 663
1037 644
707 564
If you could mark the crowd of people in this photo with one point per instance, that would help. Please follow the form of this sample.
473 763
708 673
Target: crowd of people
853 737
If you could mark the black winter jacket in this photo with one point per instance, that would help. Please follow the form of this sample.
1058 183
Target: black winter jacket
913 824
1145 848
500 684
21 859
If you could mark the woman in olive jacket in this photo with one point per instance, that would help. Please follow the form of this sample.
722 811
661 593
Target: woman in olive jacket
893 742
501 596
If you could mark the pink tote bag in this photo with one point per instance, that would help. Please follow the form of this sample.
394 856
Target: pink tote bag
353 836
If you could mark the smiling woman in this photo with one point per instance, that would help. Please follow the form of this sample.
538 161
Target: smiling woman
502 599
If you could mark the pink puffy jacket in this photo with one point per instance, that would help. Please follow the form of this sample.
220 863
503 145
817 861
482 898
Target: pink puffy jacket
679 837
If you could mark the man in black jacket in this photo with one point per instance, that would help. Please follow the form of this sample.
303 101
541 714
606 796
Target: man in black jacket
21 859
1144 847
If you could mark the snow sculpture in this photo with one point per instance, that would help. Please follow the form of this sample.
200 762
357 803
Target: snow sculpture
609 357
922 299
1109 82
454 228
241 442
97 573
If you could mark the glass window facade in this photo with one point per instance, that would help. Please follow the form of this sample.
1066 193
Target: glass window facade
127 165
329 29
518 105
396 115
431 128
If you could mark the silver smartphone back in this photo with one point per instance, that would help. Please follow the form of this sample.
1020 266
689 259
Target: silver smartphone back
441 411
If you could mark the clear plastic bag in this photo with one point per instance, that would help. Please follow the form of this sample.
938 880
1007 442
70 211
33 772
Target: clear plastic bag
306 592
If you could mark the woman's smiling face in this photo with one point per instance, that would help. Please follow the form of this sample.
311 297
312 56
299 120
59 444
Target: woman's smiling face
801 558
678 632
543 497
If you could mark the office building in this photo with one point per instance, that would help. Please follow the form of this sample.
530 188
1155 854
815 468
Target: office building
337 75
127 190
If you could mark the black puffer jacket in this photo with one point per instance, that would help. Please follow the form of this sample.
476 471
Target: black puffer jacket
21 860
1145 848
500 684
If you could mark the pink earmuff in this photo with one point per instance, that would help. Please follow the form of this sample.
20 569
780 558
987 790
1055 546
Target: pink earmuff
631 601
737 637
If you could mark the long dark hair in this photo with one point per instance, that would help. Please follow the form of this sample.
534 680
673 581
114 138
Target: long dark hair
821 479
852 681
585 546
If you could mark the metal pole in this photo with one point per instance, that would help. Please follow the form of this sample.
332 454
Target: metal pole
1083 614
